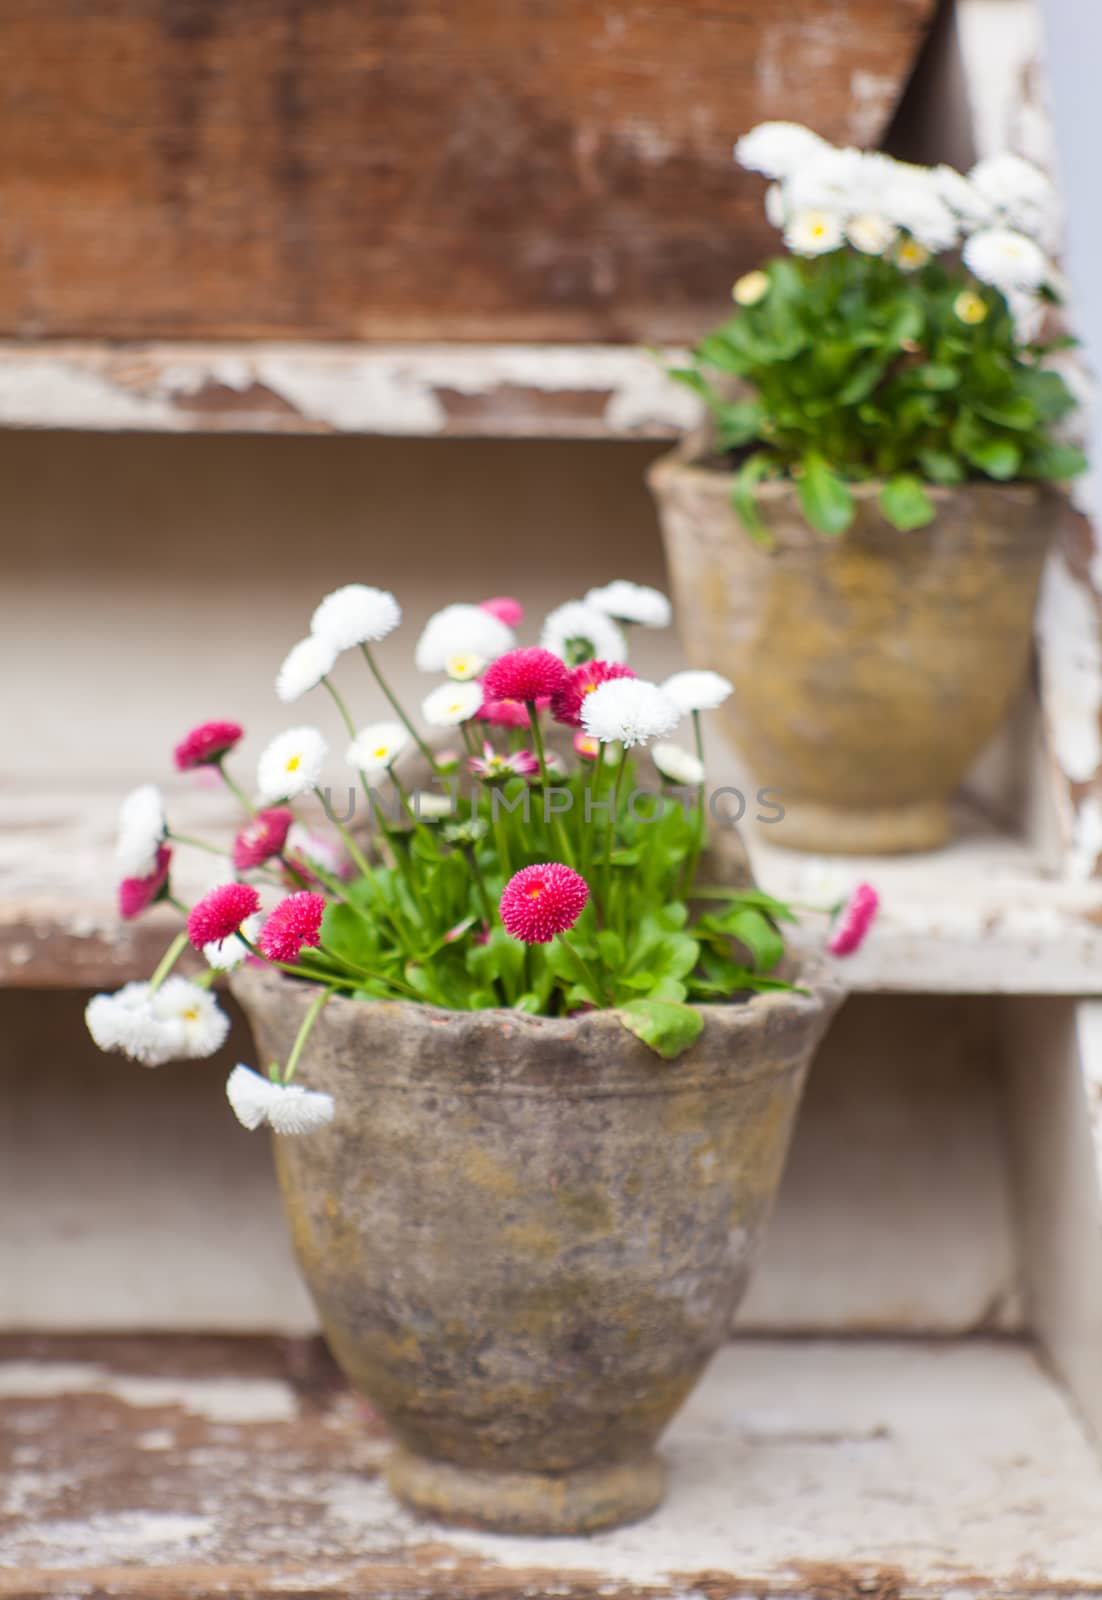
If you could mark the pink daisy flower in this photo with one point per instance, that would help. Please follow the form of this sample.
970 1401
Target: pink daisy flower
220 913
854 921
509 713
566 705
138 894
586 746
295 922
525 675
494 768
206 744
262 838
539 902
505 609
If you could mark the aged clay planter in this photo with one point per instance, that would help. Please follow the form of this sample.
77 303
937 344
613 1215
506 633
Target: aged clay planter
869 670
526 1236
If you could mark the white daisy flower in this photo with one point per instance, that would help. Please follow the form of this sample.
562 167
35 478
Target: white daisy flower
777 148
291 764
450 704
697 691
431 805
630 710
1019 195
1028 313
141 831
376 748
910 255
356 614
577 632
814 233
461 630
775 207
962 197
465 665
632 602
313 847
830 180
286 1108
916 206
1006 259
224 955
678 765
311 660
871 233
195 1013
125 1021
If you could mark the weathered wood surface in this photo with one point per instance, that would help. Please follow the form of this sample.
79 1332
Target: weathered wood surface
456 391
265 168
142 1468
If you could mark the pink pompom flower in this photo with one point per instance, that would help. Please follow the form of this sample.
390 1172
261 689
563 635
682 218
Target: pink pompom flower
539 902
566 705
206 744
220 913
295 922
854 921
262 838
494 768
138 894
509 713
525 675
505 609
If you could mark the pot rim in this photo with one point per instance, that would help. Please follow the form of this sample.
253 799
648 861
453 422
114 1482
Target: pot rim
818 975
688 459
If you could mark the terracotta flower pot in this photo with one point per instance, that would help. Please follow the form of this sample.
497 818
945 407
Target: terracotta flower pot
526 1237
871 669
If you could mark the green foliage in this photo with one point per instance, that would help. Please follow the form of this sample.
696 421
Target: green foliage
848 370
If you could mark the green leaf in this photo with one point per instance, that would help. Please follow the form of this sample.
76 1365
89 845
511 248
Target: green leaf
758 934
666 1026
905 502
1012 411
827 502
1055 460
737 423
744 500
997 457
937 375
941 467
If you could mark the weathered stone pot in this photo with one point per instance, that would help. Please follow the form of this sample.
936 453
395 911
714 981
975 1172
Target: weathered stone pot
869 670
526 1237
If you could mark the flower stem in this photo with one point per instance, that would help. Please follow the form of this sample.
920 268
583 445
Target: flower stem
698 837
196 844
350 844
480 886
312 1015
406 723
537 739
168 961
365 972
610 839
341 707
234 787
590 977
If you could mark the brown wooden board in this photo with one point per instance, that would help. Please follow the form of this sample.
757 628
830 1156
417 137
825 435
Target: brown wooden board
408 169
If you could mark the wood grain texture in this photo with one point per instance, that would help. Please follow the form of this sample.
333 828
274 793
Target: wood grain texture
407 169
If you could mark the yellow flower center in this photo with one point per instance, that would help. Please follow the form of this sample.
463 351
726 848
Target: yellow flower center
381 752
969 307
192 1015
294 763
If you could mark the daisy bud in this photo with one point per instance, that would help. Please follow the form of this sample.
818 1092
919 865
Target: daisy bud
220 913
586 746
285 1107
854 921
261 838
138 894
295 922
524 675
206 744
970 308
752 287
539 902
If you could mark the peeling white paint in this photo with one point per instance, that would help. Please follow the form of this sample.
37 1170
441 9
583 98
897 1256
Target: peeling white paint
1071 667
872 96
1085 845
224 1400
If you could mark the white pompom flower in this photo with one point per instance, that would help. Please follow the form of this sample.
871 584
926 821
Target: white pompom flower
291 765
625 601
460 631
356 614
194 1011
1019 196
577 632
1006 259
141 833
678 765
629 710
777 149
306 664
451 703
697 691
286 1108
225 955
814 232
871 233
376 747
